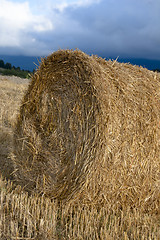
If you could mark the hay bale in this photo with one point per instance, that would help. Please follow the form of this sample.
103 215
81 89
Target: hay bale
85 126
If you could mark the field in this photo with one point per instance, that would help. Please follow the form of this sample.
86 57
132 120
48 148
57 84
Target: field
24 216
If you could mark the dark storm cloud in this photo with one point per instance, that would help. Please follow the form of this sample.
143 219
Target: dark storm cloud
126 28
120 28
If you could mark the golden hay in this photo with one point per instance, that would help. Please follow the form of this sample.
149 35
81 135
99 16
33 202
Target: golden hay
90 129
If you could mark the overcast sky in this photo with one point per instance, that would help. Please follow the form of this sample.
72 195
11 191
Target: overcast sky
109 28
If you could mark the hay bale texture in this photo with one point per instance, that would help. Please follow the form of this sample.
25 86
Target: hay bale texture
88 126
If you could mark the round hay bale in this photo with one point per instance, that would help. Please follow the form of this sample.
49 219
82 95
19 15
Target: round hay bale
88 127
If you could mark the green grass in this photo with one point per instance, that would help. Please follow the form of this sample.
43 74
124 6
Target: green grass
15 72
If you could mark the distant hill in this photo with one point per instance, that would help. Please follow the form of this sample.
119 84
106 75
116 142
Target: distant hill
147 63
24 62
30 63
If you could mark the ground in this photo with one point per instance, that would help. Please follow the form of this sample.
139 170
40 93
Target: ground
11 92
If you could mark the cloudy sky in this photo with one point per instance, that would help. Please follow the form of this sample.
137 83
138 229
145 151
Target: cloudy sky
109 28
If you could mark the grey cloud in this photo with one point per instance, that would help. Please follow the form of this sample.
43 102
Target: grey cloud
126 28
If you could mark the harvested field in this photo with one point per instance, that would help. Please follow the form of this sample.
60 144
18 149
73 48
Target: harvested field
118 198
37 217
11 92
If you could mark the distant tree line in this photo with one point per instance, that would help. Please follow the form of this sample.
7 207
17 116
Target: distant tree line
8 66
8 69
156 70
